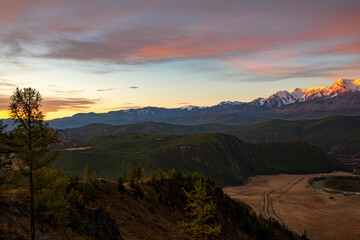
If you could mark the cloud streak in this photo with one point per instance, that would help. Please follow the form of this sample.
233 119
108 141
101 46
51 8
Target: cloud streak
126 107
4 103
6 84
69 92
105 89
56 104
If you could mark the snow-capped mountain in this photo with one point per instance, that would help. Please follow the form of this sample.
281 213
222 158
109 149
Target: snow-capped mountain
275 100
281 98
298 92
339 87
341 98
191 107
303 94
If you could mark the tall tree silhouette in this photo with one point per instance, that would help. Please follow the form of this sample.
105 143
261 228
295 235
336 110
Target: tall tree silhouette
32 139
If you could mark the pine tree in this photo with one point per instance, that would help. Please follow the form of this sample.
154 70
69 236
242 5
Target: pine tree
90 185
87 172
52 200
200 208
32 139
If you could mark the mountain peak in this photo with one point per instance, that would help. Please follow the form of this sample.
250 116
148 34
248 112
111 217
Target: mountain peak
348 84
340 86
298 92
231 103
190 107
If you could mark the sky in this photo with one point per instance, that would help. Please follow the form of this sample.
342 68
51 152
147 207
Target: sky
107 55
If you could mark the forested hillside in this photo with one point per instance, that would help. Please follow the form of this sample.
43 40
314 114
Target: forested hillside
95 208
339 135
222 157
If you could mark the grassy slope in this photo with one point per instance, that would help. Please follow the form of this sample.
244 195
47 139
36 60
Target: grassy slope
222 157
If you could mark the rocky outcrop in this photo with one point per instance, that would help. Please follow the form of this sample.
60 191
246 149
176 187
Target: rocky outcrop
99 224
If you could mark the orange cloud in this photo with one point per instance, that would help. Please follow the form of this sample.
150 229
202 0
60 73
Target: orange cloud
54 104
126 107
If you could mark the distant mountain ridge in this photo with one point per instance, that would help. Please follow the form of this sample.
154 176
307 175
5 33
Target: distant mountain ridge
341 98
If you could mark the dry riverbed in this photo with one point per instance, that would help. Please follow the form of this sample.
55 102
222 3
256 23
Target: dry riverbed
299 206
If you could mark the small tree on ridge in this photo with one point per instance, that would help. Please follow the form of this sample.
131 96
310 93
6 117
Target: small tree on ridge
200 208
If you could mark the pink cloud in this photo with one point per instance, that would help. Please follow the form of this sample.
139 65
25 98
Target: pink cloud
344 49
138 32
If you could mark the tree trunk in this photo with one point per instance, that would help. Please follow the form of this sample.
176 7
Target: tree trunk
32 215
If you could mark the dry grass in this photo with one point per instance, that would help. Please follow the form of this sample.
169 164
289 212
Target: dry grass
299 206
77 149
136 221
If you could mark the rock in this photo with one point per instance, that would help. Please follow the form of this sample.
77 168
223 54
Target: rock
99 224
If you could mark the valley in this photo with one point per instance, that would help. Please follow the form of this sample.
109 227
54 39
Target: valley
299 206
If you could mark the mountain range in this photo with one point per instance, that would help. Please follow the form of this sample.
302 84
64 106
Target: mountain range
341 98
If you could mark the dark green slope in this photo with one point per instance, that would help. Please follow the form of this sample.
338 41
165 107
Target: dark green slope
222 157
274 130
97 129
339 135
292 157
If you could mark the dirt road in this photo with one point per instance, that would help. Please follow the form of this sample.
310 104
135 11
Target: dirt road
300 207
276 189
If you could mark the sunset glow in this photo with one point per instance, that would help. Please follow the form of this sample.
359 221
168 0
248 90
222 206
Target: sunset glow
100 56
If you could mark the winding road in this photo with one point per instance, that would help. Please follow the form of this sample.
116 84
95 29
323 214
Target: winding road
268 192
